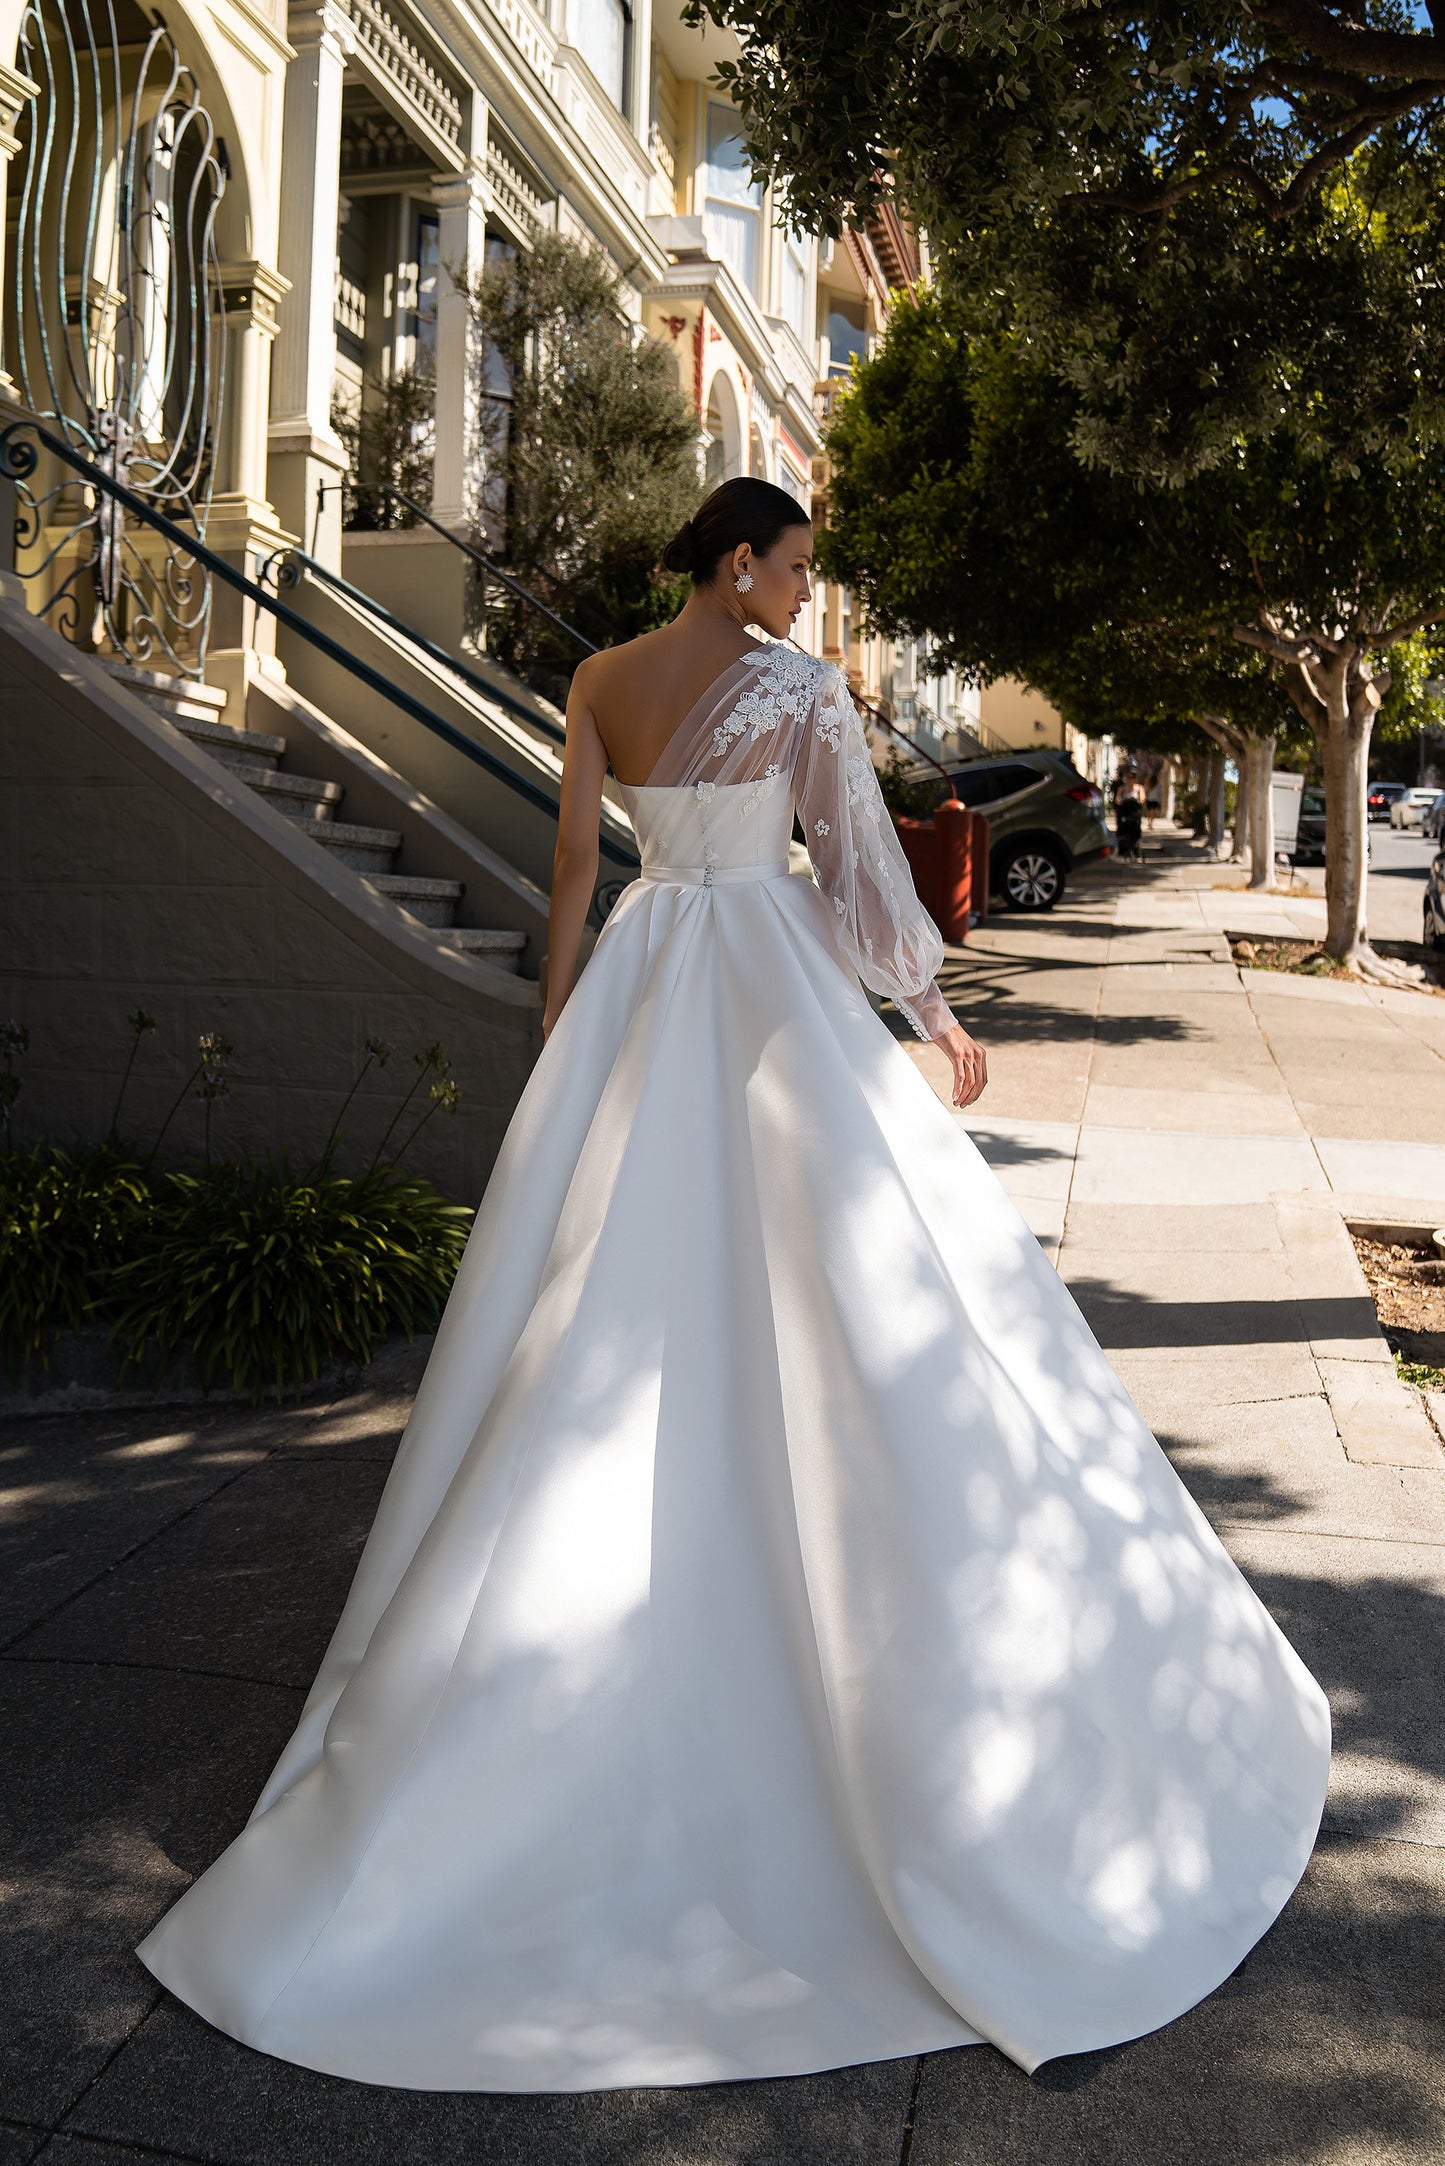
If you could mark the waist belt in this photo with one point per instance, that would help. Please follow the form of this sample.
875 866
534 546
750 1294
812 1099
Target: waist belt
714 875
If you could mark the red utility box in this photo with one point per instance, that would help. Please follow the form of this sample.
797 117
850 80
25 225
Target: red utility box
948 857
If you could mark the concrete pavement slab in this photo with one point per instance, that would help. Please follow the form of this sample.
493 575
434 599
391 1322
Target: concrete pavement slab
1380 1422
1224 1376
1323 2049
1129 1165
80 2151
185 2088
242 1587
1264 986
1369 1619
1267 1111
1233 1227
1406 1170
121 1785
18 2146
1283 1467
80 1491
1183 1297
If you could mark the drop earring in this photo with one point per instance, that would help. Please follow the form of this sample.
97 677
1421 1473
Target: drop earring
744 581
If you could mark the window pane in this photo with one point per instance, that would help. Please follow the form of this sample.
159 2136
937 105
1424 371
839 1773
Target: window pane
599 32
428 264
845 338
727 165
732 236
795 291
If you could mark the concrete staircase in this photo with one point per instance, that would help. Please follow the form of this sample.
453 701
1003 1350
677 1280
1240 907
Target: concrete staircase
258 761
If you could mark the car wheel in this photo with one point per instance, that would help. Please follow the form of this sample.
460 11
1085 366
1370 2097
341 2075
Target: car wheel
1031 876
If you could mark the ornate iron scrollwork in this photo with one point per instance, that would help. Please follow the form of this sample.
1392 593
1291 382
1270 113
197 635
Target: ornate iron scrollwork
119 325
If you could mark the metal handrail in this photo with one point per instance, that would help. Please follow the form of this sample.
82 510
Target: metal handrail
492 569
876 714
496 693
18 461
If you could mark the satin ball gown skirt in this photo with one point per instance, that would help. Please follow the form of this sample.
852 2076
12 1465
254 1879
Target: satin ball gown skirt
781 1643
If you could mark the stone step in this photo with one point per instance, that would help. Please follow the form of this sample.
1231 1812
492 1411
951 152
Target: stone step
432 902
364 849
175 697
497 946
300 797
232 747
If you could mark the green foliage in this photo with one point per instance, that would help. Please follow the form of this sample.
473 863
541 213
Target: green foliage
591 454
261 1272
998 113
962 513
905 799
265 1276
390 443
66 1219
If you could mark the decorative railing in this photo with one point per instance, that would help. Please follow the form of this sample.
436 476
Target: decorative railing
527 35
404 64
662 154
119 327
513 192
350 311
19 459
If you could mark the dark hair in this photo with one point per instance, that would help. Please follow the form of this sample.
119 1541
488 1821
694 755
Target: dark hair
742 510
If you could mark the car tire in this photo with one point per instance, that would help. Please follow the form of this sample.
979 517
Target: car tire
1029 875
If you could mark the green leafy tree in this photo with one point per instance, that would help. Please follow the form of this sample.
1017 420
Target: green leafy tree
985 112
390 439
961 511
591 452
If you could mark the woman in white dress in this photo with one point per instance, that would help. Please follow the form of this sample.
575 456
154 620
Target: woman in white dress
781 1643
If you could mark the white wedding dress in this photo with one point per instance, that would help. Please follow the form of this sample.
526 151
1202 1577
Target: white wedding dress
781 1643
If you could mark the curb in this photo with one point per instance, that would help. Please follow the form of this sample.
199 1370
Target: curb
1381 1421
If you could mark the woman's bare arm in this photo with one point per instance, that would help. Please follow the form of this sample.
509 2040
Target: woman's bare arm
574 867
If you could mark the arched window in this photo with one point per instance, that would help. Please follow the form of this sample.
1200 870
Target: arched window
723 450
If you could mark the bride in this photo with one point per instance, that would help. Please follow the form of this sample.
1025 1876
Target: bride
781 1644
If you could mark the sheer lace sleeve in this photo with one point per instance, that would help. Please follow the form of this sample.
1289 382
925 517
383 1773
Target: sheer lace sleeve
881 926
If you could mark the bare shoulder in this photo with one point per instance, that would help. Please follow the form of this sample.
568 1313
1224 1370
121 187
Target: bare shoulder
617 670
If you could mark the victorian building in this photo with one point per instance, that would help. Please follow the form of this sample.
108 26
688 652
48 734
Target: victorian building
264 781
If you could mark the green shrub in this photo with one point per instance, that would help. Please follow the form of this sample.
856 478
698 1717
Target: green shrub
264 1275
908 800
66 1219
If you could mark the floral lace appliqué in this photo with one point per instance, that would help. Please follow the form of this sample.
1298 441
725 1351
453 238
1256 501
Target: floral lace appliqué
783 687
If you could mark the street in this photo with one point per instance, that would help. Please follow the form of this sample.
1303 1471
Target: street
1399 861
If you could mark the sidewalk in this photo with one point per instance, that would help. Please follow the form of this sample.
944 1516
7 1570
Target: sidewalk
1186 1138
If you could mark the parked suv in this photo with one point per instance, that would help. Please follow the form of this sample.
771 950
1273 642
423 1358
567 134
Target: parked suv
1433 930
1043 819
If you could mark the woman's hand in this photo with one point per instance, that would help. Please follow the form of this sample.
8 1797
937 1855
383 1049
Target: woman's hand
970 1065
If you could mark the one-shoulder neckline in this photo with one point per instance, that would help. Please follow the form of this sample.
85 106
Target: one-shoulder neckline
749 654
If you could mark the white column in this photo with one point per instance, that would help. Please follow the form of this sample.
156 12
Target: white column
462 202
305 450
16 91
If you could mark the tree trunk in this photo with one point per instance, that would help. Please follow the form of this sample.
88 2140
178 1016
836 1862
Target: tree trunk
1214 787
1242 838
1259 757
1345 744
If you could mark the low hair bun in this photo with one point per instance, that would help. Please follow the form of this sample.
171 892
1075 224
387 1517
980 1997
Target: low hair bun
745 509
680 555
